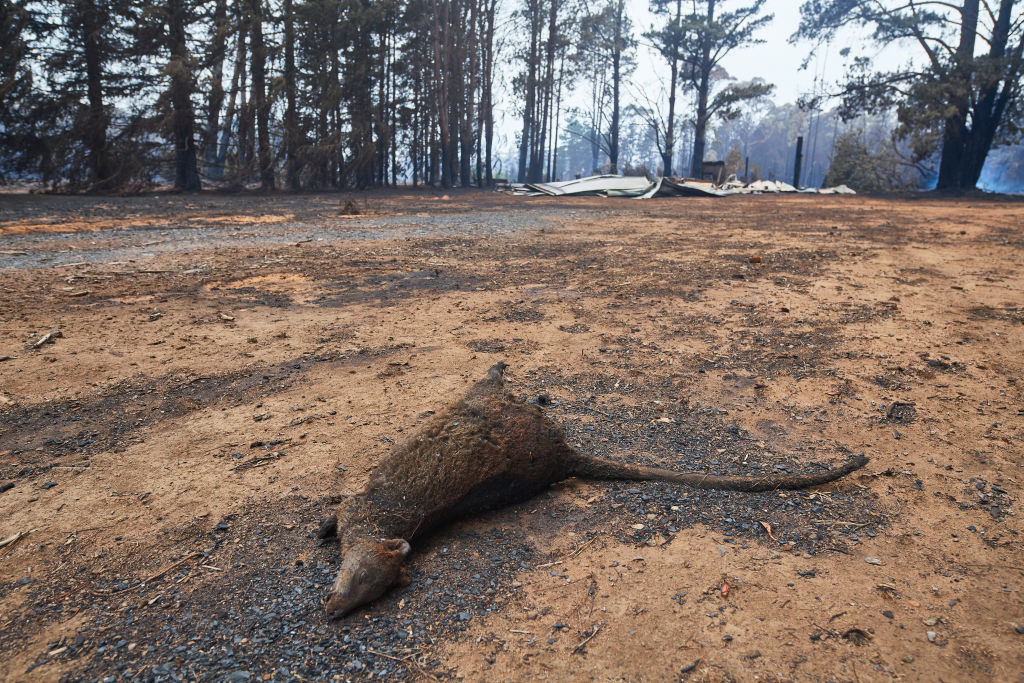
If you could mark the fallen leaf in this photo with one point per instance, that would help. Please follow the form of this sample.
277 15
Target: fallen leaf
768 528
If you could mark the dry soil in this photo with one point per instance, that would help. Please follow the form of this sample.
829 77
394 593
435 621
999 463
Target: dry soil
227 367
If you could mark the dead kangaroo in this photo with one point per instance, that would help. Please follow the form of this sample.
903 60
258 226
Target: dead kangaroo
484 451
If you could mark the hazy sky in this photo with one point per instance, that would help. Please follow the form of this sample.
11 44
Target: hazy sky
776 60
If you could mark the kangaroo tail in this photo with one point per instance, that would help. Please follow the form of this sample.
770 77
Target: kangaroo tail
595 468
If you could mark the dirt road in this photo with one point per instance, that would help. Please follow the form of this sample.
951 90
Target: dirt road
228 367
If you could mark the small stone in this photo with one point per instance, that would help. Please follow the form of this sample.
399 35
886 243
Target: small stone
49 484
932 635
6 487
1020 629
907 659
931 621
888 614
873 560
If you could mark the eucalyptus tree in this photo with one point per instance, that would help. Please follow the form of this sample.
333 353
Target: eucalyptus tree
708 36
668 40
965 94
607 46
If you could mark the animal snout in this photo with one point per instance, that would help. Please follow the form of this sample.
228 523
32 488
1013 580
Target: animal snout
335 614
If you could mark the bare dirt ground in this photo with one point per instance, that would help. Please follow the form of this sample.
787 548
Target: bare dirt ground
230 366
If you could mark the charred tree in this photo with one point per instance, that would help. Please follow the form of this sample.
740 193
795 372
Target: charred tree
215 100
292 136
186 169
260 101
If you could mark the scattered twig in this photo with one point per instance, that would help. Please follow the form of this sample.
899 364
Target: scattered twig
180 562
152 578
69 592
47 338
838 522
404 660
257 462
11 540
994 564
391 657
588 639
579 549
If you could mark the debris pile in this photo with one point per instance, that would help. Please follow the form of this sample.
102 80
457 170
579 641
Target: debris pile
640 187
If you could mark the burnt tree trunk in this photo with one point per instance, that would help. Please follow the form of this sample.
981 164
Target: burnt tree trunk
291 123
260 102
670 124
488 85
955 133
613 134
471 59
700 126
186 170
232 112
215 101
991 104
95 134
441 89
529 105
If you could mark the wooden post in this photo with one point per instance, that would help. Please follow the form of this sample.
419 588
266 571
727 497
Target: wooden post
799 161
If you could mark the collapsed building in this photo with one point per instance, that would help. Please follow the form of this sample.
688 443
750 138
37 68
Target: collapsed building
640 187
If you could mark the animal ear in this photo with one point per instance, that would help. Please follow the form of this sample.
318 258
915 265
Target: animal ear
397 545
497 371
328 527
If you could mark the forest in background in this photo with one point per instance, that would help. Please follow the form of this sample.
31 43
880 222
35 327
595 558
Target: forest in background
118 95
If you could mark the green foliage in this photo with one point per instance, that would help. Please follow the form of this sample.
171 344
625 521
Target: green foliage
15 90
962 97
734 162
868 168
728 102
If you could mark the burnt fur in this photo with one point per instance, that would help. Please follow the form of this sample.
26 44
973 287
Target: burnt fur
484 451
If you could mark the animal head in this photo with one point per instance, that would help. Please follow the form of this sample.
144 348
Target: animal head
368 570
